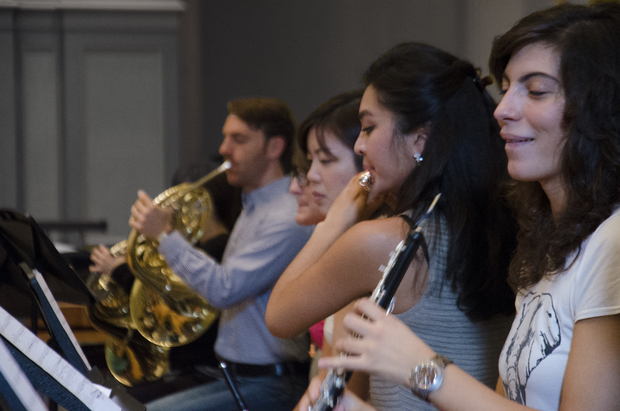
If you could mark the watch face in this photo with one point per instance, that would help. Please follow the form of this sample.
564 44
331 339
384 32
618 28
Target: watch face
426 376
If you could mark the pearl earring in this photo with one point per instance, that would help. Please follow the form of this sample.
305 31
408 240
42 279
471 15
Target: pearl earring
418 157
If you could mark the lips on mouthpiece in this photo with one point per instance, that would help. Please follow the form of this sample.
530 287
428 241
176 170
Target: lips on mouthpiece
519 140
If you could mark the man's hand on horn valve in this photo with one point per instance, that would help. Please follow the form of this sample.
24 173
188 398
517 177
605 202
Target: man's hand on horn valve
148 218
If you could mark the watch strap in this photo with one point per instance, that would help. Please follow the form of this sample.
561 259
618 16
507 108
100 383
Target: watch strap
442 360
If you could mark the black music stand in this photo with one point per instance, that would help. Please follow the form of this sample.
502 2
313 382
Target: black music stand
25 251
24 241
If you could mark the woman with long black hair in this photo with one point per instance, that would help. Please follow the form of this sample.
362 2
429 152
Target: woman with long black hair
427 128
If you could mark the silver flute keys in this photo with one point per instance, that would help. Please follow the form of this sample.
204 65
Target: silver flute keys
333 386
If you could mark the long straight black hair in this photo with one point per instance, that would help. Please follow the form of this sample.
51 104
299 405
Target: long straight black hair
463 159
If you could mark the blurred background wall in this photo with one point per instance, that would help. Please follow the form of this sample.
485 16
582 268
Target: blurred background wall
100 98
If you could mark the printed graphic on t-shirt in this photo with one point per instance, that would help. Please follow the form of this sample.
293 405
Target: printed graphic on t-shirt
536 336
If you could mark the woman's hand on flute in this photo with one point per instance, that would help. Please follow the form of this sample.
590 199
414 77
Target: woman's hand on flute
348 402
311 395
385 346
353 204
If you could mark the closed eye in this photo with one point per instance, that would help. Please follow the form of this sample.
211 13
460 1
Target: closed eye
367 130
537 93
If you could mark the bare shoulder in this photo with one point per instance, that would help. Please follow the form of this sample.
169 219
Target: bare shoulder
376 232
372 241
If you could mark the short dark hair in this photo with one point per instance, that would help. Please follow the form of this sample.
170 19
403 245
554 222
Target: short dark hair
273 117
587 40
464 160
339 115
300 159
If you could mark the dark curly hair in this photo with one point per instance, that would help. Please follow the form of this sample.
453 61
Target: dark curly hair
464 160
587 40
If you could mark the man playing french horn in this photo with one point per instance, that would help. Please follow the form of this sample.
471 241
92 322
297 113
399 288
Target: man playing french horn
271 373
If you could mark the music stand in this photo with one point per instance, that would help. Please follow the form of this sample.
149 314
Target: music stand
28 262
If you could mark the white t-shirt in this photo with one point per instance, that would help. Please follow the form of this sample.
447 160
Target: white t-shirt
534 357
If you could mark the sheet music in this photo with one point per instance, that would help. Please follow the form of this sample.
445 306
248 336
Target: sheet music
61 317
52 363
16 378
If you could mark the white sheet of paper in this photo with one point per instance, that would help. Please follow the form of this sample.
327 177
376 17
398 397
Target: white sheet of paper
61 317
18 381
52 363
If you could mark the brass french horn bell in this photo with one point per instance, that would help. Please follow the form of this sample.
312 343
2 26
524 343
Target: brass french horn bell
130 357
163 308
160 306
133 362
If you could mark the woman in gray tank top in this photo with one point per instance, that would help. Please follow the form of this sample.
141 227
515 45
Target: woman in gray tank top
427 128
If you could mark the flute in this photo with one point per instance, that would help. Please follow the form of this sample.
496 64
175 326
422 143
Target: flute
400 259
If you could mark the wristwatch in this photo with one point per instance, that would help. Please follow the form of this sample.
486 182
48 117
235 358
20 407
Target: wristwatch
428 376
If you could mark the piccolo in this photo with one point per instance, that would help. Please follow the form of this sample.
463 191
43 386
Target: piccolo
334 384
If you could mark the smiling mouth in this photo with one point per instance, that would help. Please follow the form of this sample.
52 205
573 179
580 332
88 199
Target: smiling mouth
513 139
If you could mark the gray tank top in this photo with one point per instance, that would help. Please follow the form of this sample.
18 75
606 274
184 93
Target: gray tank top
473 346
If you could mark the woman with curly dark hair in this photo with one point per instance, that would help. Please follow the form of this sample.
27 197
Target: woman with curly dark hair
559 71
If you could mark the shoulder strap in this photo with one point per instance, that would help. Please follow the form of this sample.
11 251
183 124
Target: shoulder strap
408 220
412 226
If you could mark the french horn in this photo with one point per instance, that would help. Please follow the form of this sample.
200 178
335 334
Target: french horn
133 360
130 357
160 307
